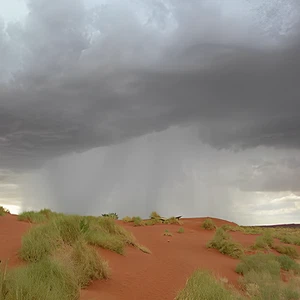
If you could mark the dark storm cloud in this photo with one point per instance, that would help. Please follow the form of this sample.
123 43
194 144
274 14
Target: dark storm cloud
74 79
275 175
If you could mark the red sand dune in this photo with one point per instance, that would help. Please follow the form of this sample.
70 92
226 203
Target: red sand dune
137 275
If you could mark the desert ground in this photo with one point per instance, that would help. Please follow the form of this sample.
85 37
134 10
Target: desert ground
164 255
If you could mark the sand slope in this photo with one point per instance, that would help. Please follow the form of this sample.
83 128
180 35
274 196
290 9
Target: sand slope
137 275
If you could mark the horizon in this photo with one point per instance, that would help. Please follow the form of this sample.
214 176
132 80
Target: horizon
134 106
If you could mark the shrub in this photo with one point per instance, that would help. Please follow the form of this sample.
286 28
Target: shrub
172 220
208 224
287 264
137 221
287 250
202 285
264 241
154 215
225 245
3 211
259 262
181 230
127 219
111 215
32 217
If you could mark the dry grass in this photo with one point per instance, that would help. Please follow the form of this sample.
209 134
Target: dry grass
261 277
167 233
225 245
287 250
203 285
208 224
3 211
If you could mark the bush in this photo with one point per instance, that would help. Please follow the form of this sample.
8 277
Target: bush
202 285
224 243
259 262
208 224
3 211
154 215
32 217
127 219
264 241
287 264
287 250
111 215
137 221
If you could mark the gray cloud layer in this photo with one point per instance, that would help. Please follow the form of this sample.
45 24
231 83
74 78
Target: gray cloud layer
75 78
167 89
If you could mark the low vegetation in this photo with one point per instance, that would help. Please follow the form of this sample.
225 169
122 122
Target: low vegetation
208 224
60 256
168 233
32 217
3 211
264 241
223 242
287 250
111 215
262 277
181 230
203 285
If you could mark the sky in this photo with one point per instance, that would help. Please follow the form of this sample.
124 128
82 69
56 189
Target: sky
185 107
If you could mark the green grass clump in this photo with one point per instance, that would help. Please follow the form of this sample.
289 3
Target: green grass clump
127 219
261 277
111 215
208 224
40 242
264 241
155 215
203 285
46 279
223 242
288 264
168 233
137 221
84 262
287 250
181 230
105 240
259 262
288 238
32 217
3 211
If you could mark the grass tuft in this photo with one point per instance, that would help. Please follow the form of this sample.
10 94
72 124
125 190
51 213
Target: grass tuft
208 224
287 250
181 230
223 242
168 233
203 285
3 211
32 217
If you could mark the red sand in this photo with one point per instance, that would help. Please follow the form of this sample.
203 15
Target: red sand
137 275
11 232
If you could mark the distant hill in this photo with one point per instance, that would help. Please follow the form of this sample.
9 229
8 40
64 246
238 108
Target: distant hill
280 225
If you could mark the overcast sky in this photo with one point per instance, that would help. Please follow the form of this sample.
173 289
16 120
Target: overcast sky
185 107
